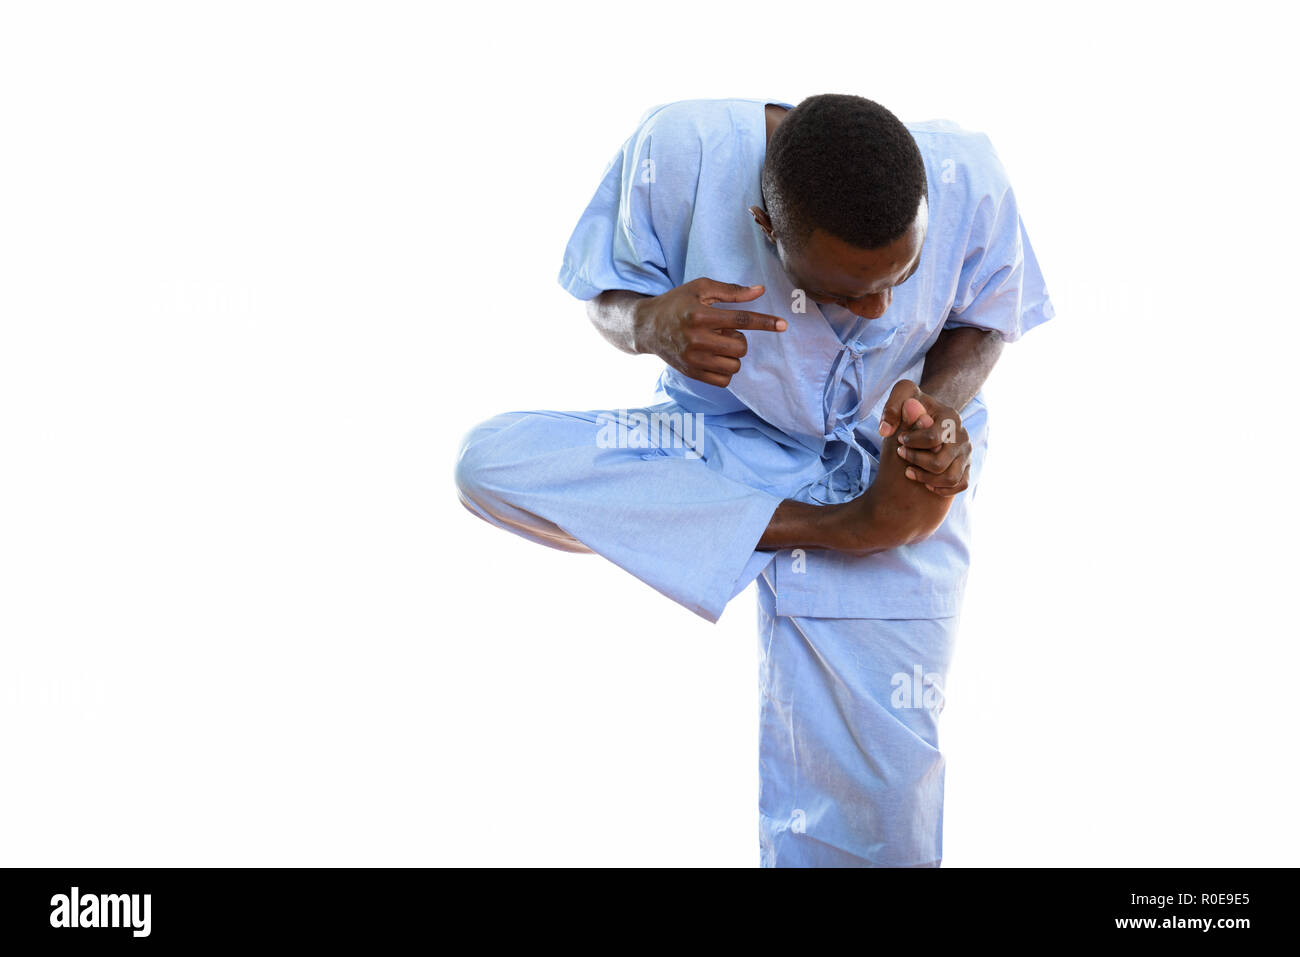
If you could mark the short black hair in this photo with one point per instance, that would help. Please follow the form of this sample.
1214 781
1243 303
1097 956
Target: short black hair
844 164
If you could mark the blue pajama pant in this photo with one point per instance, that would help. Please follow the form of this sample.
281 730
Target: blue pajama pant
850 768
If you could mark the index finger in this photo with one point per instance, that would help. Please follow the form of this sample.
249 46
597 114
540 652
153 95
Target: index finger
923 438
742 319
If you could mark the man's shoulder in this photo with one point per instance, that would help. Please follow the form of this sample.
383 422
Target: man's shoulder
955 155
945 136
694 120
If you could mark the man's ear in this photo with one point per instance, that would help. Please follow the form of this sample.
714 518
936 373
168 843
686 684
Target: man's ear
761 217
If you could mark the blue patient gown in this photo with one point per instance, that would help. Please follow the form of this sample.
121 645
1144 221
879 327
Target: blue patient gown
854 652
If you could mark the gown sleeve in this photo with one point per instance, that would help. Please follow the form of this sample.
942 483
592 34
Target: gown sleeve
1000 287
615 244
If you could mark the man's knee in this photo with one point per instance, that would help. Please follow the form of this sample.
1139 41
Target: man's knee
495 469
481 467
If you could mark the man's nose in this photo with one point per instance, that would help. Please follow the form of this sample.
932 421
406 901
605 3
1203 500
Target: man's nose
873 307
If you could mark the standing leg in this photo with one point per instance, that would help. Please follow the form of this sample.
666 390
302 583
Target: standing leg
849 763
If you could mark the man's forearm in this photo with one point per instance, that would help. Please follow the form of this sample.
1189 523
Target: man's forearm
958 364
614 315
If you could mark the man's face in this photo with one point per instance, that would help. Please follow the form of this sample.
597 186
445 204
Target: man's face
832 272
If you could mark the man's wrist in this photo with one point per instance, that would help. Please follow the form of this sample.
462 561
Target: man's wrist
944 389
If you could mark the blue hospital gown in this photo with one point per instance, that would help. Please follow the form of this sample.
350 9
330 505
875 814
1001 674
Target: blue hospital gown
853 652
673 206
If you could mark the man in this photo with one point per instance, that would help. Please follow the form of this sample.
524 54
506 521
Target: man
828 289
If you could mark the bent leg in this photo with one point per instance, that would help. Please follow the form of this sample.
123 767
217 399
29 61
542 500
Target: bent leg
849 762
483 496
662 514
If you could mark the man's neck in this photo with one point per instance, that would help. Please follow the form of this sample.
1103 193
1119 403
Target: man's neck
775 114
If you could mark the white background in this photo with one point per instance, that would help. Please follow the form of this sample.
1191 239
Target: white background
261 265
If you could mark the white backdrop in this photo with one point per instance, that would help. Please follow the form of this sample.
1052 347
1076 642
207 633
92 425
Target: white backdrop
261 265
